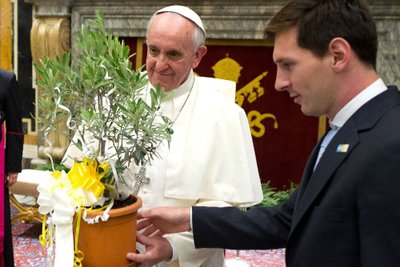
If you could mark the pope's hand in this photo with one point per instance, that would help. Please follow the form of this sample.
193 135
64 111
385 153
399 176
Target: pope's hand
153 223
158 249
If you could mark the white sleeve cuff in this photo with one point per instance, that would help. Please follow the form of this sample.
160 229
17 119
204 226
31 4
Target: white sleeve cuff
191 221
174 253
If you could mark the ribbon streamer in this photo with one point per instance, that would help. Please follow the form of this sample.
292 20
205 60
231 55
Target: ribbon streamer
61 195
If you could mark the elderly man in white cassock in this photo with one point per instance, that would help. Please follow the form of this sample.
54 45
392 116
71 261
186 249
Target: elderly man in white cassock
211 159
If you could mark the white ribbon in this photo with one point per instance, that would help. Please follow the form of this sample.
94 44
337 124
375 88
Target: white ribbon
69 123
62 218
58 199
104 216
54 200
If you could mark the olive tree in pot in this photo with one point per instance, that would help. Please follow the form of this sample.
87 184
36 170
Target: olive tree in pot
101 98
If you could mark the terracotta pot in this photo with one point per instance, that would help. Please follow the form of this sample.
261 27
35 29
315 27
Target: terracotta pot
107 243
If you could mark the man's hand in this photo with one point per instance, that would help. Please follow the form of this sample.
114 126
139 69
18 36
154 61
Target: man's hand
154 223
11 178
163 220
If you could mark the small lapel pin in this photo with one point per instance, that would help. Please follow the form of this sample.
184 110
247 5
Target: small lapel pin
342 148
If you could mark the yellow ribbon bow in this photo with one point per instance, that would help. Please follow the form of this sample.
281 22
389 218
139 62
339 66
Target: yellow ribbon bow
87 175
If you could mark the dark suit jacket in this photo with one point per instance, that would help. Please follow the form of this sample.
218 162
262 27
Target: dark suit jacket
345 213
10 112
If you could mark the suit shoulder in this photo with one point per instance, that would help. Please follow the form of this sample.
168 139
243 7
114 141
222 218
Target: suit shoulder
6 76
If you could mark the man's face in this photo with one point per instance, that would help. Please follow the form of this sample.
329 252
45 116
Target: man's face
308 79
170 51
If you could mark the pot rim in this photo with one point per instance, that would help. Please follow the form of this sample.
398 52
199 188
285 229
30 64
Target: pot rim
132 208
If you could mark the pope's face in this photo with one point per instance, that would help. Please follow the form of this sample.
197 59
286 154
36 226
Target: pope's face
170 51
308 79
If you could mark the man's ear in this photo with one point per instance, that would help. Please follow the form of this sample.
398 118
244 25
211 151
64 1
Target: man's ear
340 51
199 55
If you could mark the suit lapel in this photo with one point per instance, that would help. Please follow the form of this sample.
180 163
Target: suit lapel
328 164
308 170
364 119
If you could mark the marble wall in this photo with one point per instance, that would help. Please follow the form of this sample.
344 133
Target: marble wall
389 49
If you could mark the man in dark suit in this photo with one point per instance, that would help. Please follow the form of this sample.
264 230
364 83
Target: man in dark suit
346 210
10 113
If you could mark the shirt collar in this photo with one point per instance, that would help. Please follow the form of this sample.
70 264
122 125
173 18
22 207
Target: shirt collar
358 101
184 87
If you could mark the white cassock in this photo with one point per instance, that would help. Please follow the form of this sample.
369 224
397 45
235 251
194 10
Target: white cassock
210 162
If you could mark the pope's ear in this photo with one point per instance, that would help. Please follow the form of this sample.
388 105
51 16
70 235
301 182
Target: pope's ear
340 51
199 55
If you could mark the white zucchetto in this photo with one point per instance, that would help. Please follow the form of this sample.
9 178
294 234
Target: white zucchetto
185 12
